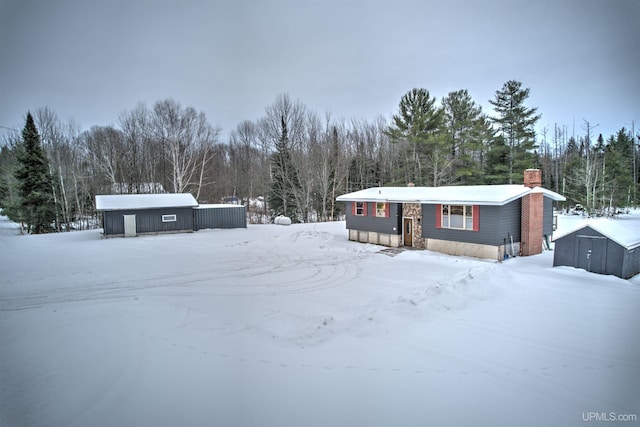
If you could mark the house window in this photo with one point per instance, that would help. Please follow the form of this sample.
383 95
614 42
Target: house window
381 210
361 209
169 218
459 217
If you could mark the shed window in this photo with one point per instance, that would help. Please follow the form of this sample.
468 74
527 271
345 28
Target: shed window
169 218
382 210
459 217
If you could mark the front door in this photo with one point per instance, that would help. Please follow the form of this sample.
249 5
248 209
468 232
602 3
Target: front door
408 231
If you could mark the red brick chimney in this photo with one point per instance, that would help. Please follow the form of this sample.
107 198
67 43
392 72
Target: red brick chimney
532 178
531 231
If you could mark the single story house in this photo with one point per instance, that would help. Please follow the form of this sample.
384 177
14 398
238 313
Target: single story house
131 214
485 221
600 246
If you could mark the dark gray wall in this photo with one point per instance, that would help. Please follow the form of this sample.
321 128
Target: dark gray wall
373 223
149 220
547 222
631 265
617 260
496 222
220 217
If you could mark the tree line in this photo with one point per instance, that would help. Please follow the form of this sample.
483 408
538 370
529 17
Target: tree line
293 161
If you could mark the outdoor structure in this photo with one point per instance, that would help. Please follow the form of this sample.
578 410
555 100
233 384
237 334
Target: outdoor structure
219 216
600 246
485 221
129 215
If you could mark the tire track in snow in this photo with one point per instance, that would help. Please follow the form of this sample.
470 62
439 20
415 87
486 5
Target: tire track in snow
267 276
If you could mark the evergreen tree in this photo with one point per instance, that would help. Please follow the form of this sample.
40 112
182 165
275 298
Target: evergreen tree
516 125
618 159
467 131
285 185
419 123
9 194
37 207
497 167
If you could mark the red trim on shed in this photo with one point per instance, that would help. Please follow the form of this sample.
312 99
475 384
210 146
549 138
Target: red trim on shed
387 210
438 216
476 217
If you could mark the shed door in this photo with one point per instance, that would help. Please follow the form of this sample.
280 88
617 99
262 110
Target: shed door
408 231
592 253
129 225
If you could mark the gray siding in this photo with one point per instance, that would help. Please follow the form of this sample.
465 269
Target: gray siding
391 225
149 220
496 224
547 225
631 265
220 217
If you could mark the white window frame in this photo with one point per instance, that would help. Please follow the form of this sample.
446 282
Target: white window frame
383 210
360 208
467 217
169 218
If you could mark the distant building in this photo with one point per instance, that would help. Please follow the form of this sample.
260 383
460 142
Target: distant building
485 221
129 215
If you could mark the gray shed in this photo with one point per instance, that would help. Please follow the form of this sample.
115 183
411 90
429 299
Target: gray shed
600 246
132 214
219 216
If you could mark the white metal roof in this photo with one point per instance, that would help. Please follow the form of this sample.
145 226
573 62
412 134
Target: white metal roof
467 194
144 201
627 236
219 205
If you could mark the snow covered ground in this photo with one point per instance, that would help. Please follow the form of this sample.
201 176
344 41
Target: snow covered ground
297 326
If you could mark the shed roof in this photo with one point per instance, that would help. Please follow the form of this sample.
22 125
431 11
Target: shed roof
625 236
144 201
219 206
463 194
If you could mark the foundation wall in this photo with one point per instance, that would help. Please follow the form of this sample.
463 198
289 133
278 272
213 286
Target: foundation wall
465 249
392 240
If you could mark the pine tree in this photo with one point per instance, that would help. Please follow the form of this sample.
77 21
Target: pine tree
619 169
419 124
497 167
37 207
467 132
285 185
8 185
516 125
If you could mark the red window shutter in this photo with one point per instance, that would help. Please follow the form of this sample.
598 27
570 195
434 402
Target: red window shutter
438 216
364 208
476 217
353 208
387 210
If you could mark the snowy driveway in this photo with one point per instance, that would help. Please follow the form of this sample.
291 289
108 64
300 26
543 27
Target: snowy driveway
278 326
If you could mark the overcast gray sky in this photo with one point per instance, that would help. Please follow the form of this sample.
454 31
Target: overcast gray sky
91 60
